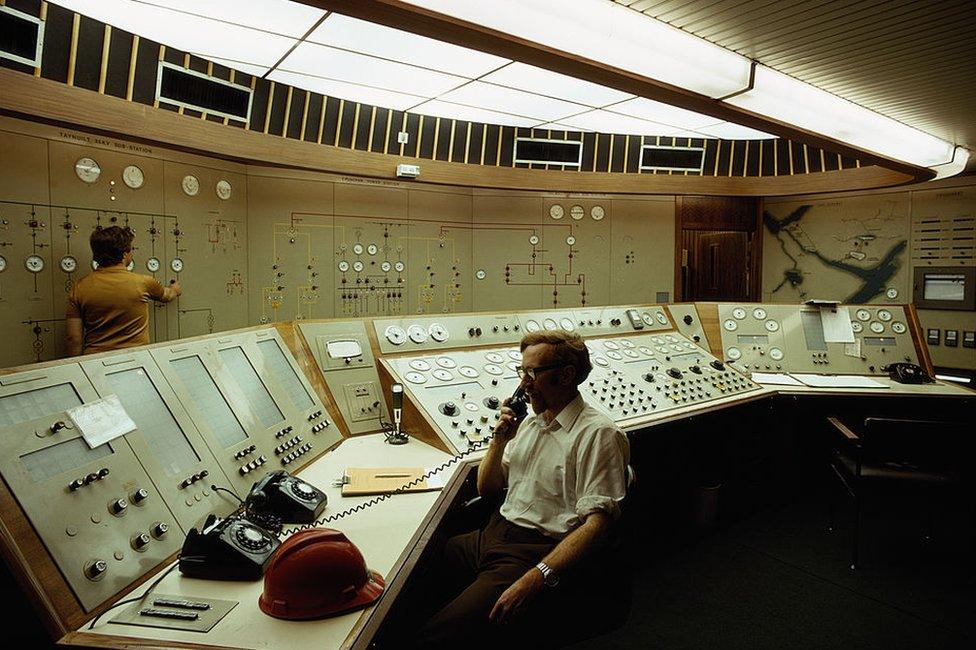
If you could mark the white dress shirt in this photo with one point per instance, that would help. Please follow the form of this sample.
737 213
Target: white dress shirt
561 472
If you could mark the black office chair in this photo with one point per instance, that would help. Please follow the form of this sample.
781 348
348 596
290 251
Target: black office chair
891 458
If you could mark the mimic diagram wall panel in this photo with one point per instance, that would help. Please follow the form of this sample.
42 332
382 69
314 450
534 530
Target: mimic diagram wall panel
95 509
791 338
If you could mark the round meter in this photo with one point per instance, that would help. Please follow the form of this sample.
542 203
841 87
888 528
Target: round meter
550 324
734 354
577 212
661 318
468 371
176 265
759 313
343 266
480 274
69 264
443 375
438 332
775 354
417 333
87 170
420 365
730 325
493 369
567 324
357 266
556 212
611 345
446 362
34 263
190 185
532 326
891 293
898 328
395 335
856 327
415 378
386 266
357 248
597 212
863 315
152 264
876 327
399 267
738 313
133 177
884 315
494 357
372 249
771 325
3 263
223 189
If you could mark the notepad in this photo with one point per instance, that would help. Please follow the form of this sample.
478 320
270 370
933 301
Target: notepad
774 378
361 481
101 421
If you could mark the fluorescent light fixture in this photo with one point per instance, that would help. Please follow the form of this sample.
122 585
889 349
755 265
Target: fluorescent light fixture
786 99
607 122
439 108
388 43
960 157
348 91
545 82
322 61
204 37
277 16
730 131
613 34
955 378
517 102
648 109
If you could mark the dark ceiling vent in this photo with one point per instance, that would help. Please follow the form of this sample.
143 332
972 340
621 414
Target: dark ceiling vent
21 36
678 159
194 90
548 152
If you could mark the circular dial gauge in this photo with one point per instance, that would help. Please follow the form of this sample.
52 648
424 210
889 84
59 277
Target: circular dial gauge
343 266
88 170
357 248
600 361
493 369
631 353
386 266
133 177
514 355
663 349
468 371
190 185
556 212
771 325
3 263
577 212
480 274
776 354
670 339
898 328
550 324
857 327
223 189
891 293
532 326
152 264
420 365
647 318
446 362
597 212
570 240
534 239
494 357
661 318
395 335
567 324
759 313
863 315
417 333
734 354
415 378
730 325
646 350
611 345
438 332
614 355
34 263
443 375
876 327
399 267
627 343
69 264
884 315
357 266
738 313
176 265
372 249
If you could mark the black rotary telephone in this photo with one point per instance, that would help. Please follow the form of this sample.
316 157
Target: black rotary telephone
288 498
227 549
519 403
907 373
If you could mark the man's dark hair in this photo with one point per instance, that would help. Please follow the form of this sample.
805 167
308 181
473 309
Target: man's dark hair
108 245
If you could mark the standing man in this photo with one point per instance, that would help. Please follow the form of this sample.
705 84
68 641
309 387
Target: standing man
108 309
565 468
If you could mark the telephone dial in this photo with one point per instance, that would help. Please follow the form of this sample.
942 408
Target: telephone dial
227 549
288 498
907 373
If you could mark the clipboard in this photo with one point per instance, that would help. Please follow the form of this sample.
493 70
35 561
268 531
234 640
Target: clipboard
362 481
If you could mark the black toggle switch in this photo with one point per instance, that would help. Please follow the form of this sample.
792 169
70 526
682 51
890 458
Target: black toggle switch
118 507
140 542
139 496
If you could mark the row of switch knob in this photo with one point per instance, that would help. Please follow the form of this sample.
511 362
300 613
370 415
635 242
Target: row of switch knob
244 452
87 480
252 465
312 416
95 570
321 425
284 432
292 456
285 446
190 480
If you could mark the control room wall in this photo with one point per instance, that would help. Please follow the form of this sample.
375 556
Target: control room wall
290 244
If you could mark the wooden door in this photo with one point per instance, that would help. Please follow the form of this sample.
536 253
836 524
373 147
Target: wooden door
716 266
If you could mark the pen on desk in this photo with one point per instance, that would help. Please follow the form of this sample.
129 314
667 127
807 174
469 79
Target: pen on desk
394 475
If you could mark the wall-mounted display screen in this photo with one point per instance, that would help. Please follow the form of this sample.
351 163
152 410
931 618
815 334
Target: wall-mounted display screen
752 339
284 373
813 330
32 404
944 286
61 458
257 395
210 402
166 440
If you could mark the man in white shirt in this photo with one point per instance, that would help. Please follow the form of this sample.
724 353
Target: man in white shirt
565 470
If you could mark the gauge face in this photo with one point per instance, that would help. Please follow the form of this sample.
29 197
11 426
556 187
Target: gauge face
417 333
480 274
670 339
771 325
775 354
734 354
468 371
493 369
514 355
494 357
863 315
891 293
343 266
34 263
176 265
647 318
3 263
420 365
646 350
611 345
87 170
357 248
152 264
438 332
386 266
567 324
395 335
372 249
443 375
223 189
738 313
133 177
415 378
69 264
730 325
627 343
884 315
550 324
556 212
577 212
570 240
614 355
357 266
597 212
857 327
399 267
876 327
446 362
661 348
190 185
534 240
898 328
632 353
532 326
600 361
759 313
661 318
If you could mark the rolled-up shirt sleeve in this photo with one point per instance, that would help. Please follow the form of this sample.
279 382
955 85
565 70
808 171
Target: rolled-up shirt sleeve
601 479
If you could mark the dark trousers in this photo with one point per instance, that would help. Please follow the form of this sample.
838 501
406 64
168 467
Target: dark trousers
476 568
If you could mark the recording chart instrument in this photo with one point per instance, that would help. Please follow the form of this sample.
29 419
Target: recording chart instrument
97 511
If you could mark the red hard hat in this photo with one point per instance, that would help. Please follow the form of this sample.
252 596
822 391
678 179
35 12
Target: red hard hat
317 573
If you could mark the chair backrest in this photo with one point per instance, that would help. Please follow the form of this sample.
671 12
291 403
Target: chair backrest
924 443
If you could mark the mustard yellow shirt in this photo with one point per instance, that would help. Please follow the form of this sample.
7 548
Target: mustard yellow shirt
113 305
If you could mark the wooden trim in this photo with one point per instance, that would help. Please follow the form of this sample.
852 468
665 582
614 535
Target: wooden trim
106 43
708 317
918 335
679 289
755 275
51 101
82 639
73 49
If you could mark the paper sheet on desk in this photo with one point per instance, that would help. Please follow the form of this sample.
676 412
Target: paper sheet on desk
360 481
838 381
837 326
101 421
774 378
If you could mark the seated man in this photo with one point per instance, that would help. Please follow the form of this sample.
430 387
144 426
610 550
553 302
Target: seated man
565 469
108 309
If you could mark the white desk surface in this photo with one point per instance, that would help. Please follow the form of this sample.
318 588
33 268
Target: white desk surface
892 389
381 533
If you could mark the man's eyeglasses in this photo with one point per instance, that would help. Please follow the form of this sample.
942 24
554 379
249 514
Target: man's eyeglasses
532 373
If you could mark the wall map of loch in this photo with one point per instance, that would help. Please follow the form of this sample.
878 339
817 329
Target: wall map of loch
851 250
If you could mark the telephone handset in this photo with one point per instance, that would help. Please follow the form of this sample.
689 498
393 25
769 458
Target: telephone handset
907 373
519 403
227 549
288 498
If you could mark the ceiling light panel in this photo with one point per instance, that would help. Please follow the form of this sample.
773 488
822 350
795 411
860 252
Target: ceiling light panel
730 131
612 34
490 97
322 61
458 112
348 91
607 122
648 109
545 82
277 16
204 37
395 45
241 66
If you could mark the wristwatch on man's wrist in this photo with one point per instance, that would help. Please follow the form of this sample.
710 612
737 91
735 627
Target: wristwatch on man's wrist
549 576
